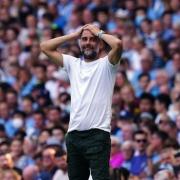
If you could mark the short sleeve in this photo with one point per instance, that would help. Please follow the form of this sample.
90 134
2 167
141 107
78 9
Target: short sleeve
68 62
110 66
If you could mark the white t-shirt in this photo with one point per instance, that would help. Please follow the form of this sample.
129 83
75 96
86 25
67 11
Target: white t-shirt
92 85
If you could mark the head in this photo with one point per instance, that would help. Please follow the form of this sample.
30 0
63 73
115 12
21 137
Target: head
30 172
128 131
146 60
127 149
159 139
40 72
127 94
4 110
16 147
144 80
164 175
162 77
140 139
59 133
10 174
48 158
27 104
61 159
29 145
39 118
54 114
89 45
115 145
176 61
6 161
162 103
146 102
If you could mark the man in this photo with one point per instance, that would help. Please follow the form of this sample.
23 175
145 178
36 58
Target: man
30 172
139 160
92 81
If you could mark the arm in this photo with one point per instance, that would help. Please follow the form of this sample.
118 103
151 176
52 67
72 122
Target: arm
50 47
116 44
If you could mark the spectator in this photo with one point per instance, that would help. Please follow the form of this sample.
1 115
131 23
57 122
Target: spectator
10 174
116 157
127 149
139 160
35 94
30 172
48 163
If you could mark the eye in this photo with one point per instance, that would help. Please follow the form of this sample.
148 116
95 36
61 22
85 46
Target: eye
84 39
93 39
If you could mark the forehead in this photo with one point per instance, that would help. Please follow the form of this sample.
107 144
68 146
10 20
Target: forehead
140 135
87 33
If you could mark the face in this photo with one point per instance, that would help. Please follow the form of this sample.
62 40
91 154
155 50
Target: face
178 122
127 132
11 99
141 142
6 161
164 124
27 106
58 134
40 73
38 118
158 106
61 162
114 147
176 61
16 148
156 142
127 94
127 151
145 105
146 64
4 112
89 45
120 80
143 82
54 115
9 176
48 158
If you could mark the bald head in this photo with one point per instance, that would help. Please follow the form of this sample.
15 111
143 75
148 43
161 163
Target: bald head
30 172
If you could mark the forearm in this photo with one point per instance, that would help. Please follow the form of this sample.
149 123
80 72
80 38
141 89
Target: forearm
53 44
112 41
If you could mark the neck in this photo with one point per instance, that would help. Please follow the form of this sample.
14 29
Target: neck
89 60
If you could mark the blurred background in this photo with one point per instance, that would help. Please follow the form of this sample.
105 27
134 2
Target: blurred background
35 94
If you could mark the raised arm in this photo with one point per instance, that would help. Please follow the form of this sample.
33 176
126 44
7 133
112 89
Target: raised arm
114 54
49 47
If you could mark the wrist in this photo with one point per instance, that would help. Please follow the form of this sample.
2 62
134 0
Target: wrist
100 34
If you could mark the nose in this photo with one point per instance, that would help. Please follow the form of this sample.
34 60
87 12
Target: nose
88 41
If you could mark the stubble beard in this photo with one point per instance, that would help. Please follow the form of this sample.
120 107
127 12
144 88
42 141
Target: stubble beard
89 54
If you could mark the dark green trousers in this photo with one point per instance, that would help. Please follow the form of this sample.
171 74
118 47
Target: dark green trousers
88 151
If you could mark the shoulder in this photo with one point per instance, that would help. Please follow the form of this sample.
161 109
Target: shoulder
69 57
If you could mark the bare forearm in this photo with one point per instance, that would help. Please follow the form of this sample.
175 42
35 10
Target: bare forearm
112 41
53 44
115 43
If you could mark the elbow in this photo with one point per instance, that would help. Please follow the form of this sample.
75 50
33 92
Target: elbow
43 46
118 44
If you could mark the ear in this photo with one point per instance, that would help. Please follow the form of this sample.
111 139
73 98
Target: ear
79 44
101 45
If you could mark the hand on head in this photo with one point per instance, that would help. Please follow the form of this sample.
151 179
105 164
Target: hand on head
93 28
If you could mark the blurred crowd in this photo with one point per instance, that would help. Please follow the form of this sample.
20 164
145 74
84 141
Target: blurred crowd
35 93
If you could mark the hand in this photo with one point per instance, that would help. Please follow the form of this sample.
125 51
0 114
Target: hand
150 150
94 29
79 31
